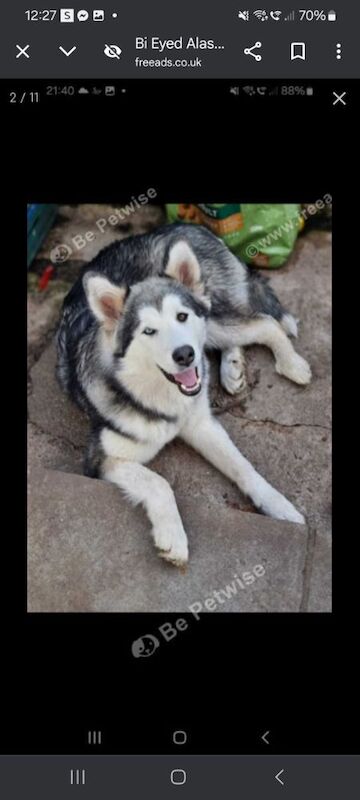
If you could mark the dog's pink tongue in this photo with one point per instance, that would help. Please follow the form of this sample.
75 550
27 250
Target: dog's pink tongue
187 378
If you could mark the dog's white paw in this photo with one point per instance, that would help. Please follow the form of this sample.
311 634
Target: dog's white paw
232 373
171 541
277 506
296 369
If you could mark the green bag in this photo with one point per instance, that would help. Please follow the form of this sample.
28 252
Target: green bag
262 235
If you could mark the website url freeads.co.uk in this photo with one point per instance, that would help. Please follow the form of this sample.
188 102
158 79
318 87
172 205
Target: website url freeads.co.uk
168 62
158 46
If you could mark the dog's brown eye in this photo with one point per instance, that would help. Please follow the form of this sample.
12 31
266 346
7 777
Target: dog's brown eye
182 317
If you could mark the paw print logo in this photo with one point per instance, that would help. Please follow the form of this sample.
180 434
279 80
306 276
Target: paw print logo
60 253
144 647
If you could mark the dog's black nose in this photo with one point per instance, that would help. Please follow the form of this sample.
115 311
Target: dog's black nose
184 355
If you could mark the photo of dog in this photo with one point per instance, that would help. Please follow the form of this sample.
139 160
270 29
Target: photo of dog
132 349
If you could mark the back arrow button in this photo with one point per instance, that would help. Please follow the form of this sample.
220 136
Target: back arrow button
278 778
264 737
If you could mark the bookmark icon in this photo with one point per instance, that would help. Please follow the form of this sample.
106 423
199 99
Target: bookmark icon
297 50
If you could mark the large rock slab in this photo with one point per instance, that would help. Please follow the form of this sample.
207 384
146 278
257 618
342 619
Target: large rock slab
89 551
43 310
295 459
50 451
318 591
49 408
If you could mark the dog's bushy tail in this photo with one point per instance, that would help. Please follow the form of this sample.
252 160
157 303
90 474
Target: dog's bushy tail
289 324
263 300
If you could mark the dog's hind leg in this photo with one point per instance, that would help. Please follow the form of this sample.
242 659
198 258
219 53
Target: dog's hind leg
141 485
267 331
210 439
232 370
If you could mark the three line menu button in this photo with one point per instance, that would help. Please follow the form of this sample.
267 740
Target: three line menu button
77 777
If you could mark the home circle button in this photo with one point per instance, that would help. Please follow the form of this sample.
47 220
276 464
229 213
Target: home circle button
179 737
178 777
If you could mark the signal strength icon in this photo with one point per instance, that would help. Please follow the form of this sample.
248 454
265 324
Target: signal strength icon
290 17
275 90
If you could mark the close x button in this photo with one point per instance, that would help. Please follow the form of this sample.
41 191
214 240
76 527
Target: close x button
22 51
339 98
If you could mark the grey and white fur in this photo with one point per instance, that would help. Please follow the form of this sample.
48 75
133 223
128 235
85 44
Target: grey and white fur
131 353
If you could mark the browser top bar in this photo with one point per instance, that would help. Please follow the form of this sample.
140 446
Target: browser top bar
195 41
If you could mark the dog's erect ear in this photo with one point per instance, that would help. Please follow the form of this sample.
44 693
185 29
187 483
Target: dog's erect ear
105 299
184 267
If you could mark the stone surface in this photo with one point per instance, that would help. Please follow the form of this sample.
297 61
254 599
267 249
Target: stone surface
50 451
318 594
294 459
88 550
49 408
42 316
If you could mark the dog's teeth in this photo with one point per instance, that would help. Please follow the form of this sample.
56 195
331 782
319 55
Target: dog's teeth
189 388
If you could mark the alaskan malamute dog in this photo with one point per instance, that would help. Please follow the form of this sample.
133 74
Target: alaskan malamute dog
131 353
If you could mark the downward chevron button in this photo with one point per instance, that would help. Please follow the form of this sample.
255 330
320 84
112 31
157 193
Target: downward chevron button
67 52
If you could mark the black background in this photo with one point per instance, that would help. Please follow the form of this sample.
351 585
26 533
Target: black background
228 678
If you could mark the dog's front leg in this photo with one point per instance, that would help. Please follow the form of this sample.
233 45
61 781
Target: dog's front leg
141 485
210 439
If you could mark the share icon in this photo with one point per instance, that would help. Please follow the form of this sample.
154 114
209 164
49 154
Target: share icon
249 51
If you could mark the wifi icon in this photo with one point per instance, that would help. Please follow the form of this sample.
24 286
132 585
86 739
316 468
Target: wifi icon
261 15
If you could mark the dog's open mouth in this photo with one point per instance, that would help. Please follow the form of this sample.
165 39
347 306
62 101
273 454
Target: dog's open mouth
188 382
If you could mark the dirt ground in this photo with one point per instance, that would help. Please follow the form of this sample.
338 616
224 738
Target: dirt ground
89 551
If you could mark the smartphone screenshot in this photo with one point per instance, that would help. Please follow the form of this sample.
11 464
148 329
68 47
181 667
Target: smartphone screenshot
180 580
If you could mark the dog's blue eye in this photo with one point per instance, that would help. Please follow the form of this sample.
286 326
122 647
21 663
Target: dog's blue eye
149 331
182 317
